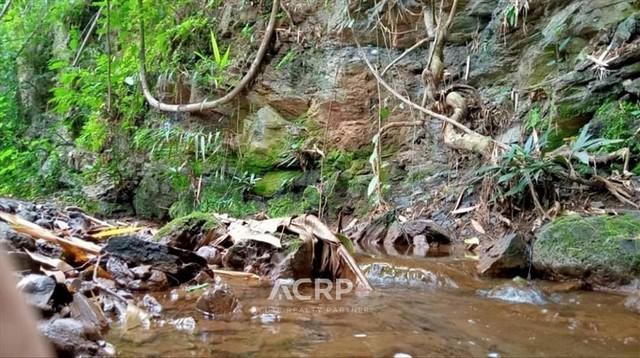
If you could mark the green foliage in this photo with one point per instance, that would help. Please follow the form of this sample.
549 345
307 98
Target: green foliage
536 121
286 205
620 120
286 59
585 143
220 62
518 167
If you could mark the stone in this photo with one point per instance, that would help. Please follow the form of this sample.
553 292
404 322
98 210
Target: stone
178 265
211 254
217 301
265 138
154 195
70 337
516 293
506 256
189 232
602 250
15 240
632 302
44 293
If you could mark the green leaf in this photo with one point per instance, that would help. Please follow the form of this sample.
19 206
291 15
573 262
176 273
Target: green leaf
506 177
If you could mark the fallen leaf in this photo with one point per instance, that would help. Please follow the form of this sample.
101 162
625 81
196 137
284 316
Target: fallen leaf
109 232
240 232
49 261
477 227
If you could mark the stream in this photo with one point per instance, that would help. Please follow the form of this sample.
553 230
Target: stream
435 306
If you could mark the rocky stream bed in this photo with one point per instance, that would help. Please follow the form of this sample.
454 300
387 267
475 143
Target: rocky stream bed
203 285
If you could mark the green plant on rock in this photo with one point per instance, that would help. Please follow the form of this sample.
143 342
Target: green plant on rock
620 120
219 63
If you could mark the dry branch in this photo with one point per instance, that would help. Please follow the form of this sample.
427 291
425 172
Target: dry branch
199 107
404 54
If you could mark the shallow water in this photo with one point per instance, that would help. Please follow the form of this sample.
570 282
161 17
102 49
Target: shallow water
421 306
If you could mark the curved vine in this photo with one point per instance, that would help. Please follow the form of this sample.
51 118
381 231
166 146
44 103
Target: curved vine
198 107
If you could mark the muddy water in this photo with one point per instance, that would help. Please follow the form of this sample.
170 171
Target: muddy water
420 306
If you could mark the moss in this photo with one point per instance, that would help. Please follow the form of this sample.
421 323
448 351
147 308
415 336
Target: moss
619 120
287 205
226 197
197 219
605 248
273 182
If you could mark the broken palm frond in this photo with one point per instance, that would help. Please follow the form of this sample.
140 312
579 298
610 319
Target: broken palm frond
334 257
109 232
204 105
75 247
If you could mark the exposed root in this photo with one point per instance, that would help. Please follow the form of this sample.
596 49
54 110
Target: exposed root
199 107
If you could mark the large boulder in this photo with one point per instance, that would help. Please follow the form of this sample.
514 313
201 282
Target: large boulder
603 250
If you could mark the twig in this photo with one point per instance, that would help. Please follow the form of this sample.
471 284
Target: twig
199 107
86 38
405 53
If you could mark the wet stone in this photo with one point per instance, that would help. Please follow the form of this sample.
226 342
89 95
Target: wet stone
70 337
632 303
515 293
218 300
44 292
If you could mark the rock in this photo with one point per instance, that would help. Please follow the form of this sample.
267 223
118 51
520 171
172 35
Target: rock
154 195
218 300
44 292
298 262
632 303
516 293
152 305
264 138
178 265
189 232
602 250
506 256
70 337
17 241
210 254
88 313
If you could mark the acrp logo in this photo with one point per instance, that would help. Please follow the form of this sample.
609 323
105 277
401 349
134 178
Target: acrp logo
322 287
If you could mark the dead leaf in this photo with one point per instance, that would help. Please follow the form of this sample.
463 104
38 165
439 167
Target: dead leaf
49 261
477 227
57 275
115 231
240 232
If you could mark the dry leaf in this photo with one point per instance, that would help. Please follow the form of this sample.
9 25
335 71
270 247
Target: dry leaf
49 261
240 232
477 227
109 232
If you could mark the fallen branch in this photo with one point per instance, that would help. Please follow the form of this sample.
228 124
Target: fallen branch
70 244
199 107
404 54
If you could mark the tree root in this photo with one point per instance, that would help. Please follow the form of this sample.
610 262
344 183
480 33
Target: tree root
199 107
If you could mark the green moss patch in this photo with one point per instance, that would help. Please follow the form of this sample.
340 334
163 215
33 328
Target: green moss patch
196 220
602 249
272 182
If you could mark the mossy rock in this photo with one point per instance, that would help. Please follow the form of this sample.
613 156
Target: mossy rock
154 195
187 232
604 250
272 182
